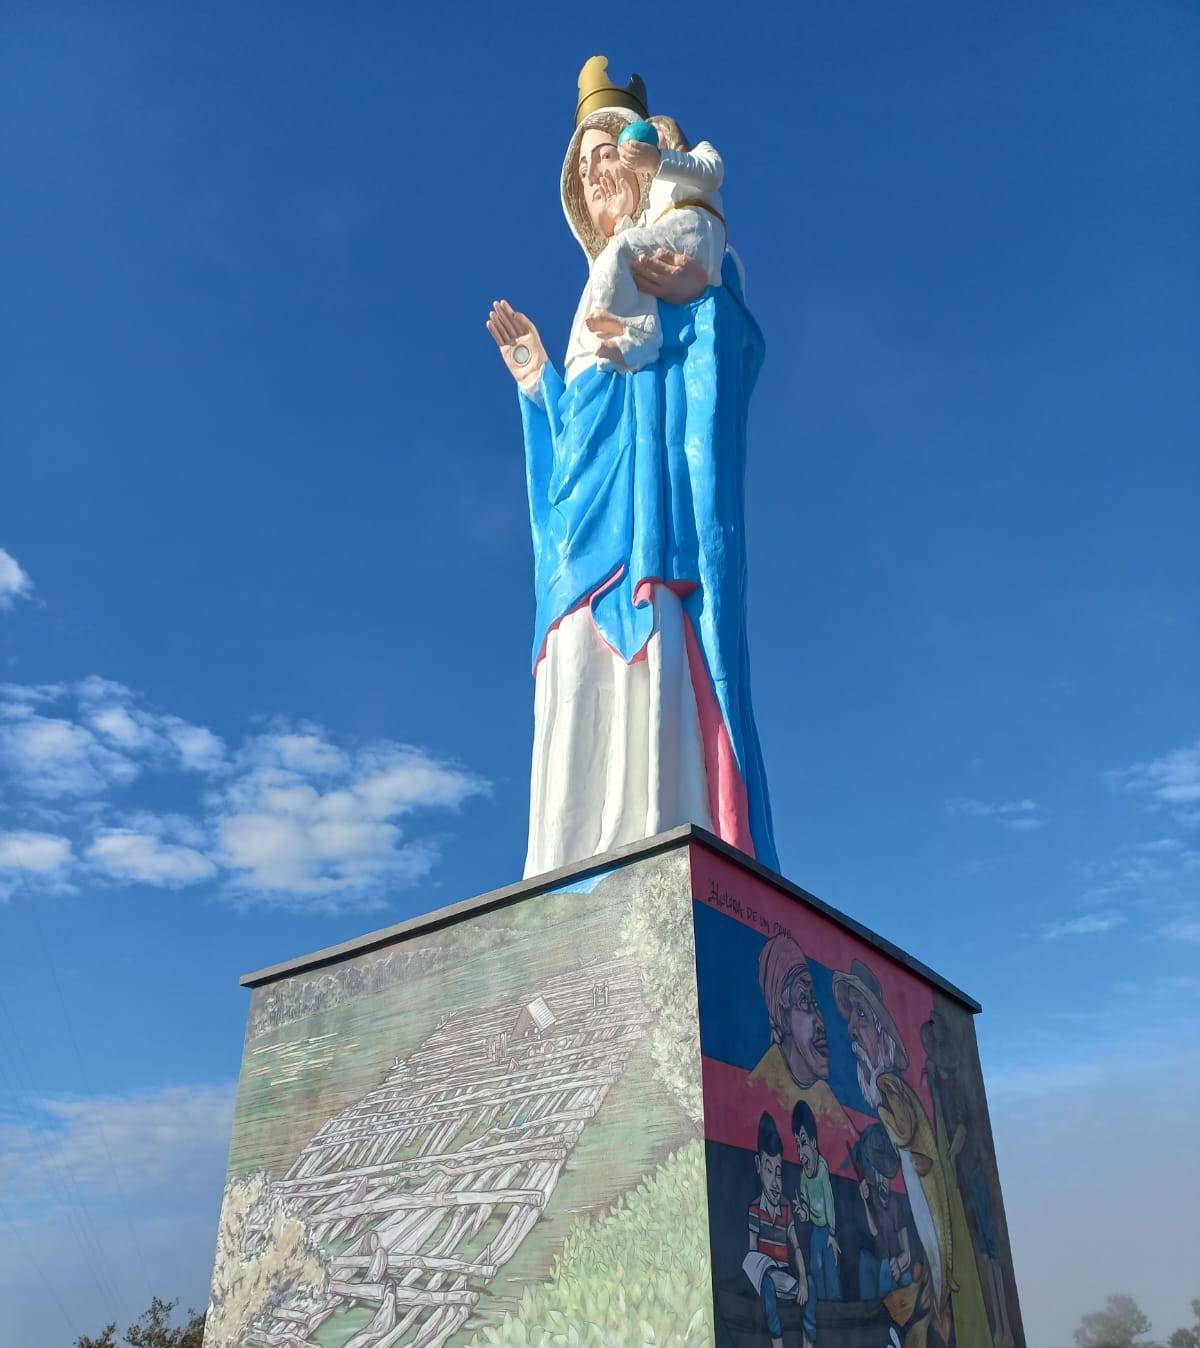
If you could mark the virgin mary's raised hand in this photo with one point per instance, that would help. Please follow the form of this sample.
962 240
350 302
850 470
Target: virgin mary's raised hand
519 341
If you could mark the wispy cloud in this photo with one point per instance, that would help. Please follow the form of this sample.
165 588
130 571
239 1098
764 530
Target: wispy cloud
1089 924
1171 781
1162 847
1154 882
1183 927
109 1144
1155 877
1020 816
304 820
126 854
37 853
34 860
14 581
114 1198
1060 1114
78 741
288 816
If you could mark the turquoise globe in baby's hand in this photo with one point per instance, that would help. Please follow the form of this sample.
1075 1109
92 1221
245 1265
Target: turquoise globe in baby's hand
646 132
638 147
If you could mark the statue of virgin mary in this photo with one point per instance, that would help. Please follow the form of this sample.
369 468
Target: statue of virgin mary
642 715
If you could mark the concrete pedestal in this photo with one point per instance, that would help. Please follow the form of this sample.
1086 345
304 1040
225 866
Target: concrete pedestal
563 1112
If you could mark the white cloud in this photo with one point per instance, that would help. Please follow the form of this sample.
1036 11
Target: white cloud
33 861
35 853
303 750
303 821
180 828
100 738
1024 824
1185 927
111 710
198 748
116 723
1171 780
132 1143
1162 847
125 854
169 1148
14 582
290 817
51 757
1090 924
93 688
14 696
1157 877
1018 815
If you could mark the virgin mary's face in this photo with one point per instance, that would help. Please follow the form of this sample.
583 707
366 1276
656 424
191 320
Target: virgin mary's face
610 190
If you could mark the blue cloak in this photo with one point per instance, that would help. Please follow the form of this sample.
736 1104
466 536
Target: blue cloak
640 477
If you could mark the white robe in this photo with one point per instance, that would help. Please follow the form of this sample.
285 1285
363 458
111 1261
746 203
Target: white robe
617 749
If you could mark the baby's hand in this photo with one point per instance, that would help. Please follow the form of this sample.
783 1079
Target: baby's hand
639 157
604 324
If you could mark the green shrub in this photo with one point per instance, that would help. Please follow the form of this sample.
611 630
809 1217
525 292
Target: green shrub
638 1275
658 933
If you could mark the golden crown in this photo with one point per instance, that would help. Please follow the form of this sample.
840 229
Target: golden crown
596 90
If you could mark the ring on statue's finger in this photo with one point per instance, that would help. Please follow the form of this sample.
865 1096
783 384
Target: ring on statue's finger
522 354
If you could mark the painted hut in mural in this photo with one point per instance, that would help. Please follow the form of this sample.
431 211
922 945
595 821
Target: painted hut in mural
534 1020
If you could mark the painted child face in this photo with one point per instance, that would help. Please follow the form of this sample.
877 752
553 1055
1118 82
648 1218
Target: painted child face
770 1171
806 1149
883 1190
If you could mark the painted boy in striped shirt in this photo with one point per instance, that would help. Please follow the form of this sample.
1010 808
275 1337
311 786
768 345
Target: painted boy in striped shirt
773 1243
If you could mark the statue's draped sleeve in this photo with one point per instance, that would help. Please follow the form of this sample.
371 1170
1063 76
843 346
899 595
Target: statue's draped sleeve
541 427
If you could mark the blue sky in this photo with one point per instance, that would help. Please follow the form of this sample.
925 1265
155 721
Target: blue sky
265 599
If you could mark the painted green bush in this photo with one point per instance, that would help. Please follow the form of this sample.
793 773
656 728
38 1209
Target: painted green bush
658 933
639 1275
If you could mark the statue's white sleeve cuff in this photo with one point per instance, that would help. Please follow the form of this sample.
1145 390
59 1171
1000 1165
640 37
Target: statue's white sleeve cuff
531 387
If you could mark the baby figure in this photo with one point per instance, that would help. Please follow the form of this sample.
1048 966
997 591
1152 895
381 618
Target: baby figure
683 214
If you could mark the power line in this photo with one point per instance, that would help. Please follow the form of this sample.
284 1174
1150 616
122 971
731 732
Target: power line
83 1073
65 1186
40 1271
71 1203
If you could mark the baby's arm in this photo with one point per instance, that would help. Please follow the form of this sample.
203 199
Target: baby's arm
700 168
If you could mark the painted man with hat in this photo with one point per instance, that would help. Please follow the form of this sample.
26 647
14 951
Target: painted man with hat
955 1294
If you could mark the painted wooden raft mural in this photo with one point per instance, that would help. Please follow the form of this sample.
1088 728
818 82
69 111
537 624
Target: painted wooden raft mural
440 1174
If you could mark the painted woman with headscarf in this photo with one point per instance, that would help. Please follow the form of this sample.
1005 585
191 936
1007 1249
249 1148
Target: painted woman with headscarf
642 714
795 1066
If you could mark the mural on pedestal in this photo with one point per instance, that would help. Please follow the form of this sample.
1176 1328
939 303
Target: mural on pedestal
853 1194
465 1139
